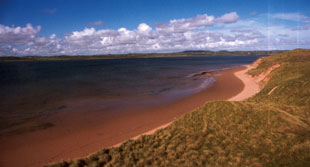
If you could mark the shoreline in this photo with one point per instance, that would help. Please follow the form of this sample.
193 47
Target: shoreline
69 141
251 84
251 87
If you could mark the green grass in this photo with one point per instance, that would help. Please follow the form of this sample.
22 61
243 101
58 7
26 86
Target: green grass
265 130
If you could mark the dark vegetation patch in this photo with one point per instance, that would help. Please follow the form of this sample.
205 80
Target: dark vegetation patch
24 123
25 128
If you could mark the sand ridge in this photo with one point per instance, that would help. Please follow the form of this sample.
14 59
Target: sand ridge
251 85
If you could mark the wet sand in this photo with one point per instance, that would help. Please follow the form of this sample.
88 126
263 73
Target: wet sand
80 133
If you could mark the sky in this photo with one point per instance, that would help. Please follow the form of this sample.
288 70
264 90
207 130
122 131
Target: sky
80 27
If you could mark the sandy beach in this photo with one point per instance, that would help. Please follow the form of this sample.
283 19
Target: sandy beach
78 134
251 85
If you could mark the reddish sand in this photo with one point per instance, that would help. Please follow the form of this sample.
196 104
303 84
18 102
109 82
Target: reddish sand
78 134
251 84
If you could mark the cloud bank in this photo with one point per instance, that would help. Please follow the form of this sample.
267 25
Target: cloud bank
291 17
202 32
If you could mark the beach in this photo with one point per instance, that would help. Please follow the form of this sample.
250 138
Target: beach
97 130
251 84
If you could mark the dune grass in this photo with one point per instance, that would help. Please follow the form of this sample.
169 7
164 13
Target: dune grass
269 129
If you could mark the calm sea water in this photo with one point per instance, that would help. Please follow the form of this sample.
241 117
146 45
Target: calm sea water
31 87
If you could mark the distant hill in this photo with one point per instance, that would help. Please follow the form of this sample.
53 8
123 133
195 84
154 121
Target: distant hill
187 53
195 51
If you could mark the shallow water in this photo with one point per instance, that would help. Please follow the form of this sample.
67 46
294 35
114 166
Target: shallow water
35 89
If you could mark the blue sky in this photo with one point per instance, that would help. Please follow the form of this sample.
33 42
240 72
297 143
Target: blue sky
54 27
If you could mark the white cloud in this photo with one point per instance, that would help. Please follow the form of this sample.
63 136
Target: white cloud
302 28
18 35
183 25
228 18
144 27
145 30
52 36
86 32
273 36
27 41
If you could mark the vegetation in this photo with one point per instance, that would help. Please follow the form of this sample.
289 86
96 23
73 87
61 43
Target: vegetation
269 129
137 55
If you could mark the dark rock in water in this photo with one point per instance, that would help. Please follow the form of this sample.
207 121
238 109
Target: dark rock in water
61 107
205 74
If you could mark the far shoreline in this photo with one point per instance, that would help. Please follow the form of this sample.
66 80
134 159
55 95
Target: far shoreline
191 53
60 144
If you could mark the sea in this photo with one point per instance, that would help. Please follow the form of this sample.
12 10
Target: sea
31 89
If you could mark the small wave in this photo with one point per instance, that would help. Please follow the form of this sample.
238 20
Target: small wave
161 90
208 82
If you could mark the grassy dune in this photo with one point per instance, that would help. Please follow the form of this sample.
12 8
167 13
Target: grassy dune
270 129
